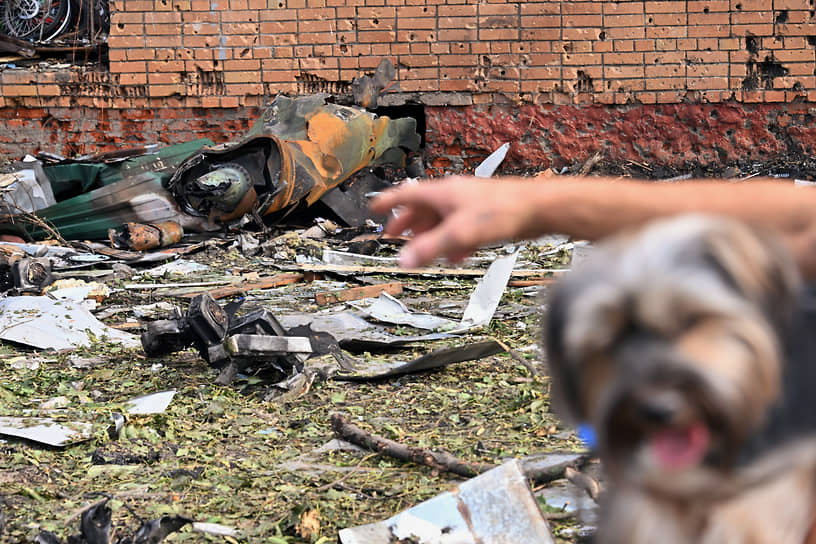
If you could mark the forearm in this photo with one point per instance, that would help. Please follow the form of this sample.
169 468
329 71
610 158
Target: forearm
593 208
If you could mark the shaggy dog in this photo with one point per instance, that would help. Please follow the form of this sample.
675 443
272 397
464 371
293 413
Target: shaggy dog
690 346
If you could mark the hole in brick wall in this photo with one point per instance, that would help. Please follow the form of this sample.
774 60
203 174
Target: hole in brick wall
584 83
343 48
739 6
811 40
244 53
651 20
781 17
376 21
763 73
602 35
706 9
752 44
411 37
812 14
120 26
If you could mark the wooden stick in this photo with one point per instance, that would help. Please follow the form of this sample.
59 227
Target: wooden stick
518 357
441 461
357 293
430 271
242 288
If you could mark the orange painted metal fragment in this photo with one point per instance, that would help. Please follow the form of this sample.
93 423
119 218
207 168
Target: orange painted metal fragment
146 236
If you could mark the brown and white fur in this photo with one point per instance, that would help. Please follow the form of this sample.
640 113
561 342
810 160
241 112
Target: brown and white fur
687 346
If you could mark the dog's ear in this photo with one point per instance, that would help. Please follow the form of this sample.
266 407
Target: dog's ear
585 313
562 370
757 264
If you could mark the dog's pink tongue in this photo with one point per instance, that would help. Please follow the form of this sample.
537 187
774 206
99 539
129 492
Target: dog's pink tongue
681 447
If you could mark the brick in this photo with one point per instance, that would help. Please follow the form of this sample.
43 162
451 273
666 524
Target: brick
377 36
623 20
457 11
664 57
619 72
663 32
571 34
582 58
573 8
625 33
710 31
665 70
665 6
541 8
616 8
582 20
623 58
498 21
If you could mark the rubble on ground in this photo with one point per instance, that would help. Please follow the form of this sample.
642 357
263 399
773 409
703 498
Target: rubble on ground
185 380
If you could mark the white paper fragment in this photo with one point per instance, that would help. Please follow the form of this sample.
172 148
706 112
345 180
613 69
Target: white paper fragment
480 309
488 293
387 309
214 529
179 268
45 430
155 403
44 323
492 162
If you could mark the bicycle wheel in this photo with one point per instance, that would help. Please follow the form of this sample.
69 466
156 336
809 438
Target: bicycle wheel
35 20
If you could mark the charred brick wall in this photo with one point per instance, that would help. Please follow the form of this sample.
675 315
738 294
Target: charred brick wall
179 69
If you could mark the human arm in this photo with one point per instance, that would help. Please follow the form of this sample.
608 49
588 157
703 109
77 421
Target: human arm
454 216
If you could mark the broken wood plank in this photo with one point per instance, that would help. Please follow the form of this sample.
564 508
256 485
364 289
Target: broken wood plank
357 293
429 271
532 282
268 282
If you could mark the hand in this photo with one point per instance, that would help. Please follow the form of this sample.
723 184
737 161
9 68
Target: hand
453 217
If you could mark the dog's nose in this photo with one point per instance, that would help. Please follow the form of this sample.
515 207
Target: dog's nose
660 408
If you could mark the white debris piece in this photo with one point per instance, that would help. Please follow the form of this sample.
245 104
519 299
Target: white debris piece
44 323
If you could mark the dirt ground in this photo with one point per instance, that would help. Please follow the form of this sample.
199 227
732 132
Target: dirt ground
222 454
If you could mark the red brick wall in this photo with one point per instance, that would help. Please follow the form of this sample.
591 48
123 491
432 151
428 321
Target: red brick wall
183 68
